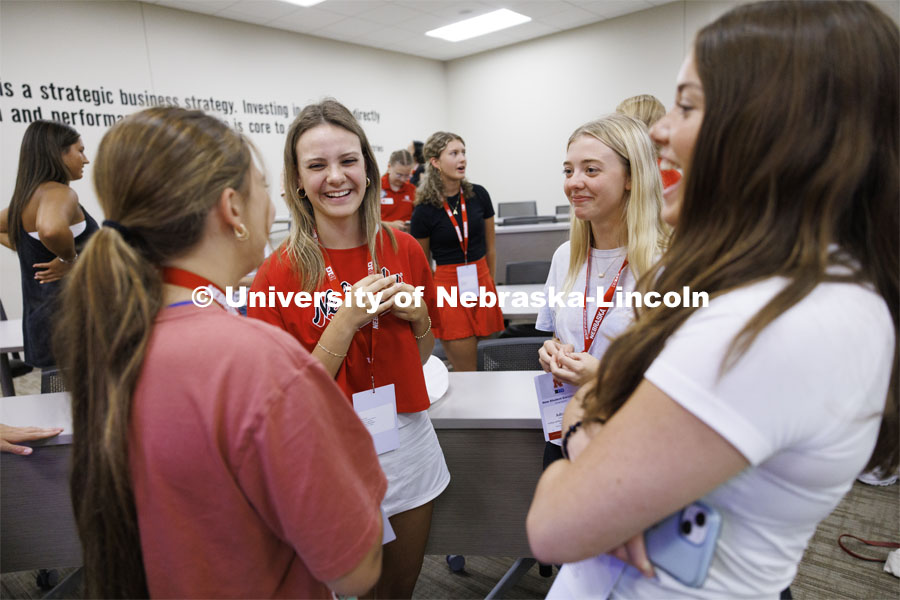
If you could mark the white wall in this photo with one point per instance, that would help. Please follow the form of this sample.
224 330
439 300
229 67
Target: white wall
517 106
136 47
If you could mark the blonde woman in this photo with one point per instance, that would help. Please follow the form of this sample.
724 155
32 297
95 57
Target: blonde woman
454 223
613 185
198 433
375 349
648 110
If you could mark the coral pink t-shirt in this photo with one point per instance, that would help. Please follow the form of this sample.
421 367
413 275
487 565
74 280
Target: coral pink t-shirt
252 476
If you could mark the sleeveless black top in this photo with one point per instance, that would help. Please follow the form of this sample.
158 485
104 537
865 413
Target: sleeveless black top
39 300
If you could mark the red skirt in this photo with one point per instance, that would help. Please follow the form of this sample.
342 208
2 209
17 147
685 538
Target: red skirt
458 322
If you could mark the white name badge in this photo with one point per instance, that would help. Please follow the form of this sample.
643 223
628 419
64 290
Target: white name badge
467 279
387 200
593 578
553 396
377 409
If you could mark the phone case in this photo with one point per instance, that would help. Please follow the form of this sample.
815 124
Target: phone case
685 552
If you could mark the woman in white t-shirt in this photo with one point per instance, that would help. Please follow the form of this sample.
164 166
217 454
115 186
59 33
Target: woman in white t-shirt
613 185
767 403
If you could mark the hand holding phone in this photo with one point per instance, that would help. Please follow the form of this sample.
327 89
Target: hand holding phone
684 543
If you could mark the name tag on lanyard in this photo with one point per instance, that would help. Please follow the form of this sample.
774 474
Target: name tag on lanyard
553 396
591 332
467 279
466 275
377 409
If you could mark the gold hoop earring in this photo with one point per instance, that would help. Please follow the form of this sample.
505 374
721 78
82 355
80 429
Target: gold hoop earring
241 233
301 194
368 183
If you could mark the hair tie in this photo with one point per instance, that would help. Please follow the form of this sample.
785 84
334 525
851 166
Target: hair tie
126 233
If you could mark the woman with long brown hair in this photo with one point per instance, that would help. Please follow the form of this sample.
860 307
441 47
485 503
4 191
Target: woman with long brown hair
46 226
210 458
767 403
454 223
374 348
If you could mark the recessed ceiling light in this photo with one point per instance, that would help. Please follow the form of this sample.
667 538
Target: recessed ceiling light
304 3
481 25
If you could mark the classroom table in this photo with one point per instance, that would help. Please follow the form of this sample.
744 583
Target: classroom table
11 340
488 424
520 313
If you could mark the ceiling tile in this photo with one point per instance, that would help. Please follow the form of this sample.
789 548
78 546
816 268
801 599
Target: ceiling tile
351 27
201 6
309 19
387 35
270 9
352 8
571 17
534 8
390 14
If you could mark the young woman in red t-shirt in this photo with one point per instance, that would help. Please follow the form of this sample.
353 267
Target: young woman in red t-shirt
398 195
454 223
374 348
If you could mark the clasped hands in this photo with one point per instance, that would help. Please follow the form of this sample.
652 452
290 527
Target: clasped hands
372 289
567 365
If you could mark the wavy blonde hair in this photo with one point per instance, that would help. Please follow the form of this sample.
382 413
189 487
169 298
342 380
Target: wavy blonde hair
431 187
304 253
644 107
646 233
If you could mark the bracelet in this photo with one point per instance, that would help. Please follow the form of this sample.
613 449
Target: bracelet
334 354
424 333
569 432
67 262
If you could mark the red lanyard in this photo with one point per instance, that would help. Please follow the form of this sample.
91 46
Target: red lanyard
590 334
462 236
334 285
186 279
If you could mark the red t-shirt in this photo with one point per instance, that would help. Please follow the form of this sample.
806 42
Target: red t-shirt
669 176
396 206
250 481
395 352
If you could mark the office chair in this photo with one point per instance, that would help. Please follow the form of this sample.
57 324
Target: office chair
512 354
517 209
563 209
52 381
15 366
527 271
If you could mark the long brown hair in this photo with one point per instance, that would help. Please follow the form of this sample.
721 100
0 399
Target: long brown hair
798 150
40 161
303 252
431 186
158 174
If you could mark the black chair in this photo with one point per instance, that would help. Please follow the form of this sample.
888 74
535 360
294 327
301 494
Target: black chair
517 209
563 209
510 354
513 354
11 365
527 271
52 381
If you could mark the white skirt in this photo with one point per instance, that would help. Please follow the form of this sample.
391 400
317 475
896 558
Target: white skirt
416 470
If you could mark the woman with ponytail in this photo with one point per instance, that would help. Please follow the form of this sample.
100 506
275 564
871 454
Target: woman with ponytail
46 226
209 456
767 403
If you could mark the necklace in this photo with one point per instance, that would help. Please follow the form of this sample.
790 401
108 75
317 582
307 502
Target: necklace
602 274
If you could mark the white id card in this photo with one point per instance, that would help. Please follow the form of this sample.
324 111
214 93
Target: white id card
593 578
553 396
467 279
387 200
377 409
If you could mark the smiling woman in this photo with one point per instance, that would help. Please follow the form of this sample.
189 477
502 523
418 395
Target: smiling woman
374 351
46 226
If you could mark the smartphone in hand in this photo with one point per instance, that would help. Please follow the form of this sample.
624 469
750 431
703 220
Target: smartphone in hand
683 544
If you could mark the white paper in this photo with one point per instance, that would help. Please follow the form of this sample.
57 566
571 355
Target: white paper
387 200
593 578
467 279
553 396
388 534
377 409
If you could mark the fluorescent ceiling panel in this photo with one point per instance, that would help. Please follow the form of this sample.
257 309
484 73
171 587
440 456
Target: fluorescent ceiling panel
484 24
304 3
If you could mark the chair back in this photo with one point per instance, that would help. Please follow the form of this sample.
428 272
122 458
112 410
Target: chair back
517 209
510 354
52 381
562 209
527 271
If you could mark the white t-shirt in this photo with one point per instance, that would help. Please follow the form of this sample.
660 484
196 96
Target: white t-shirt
567 322
803 405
